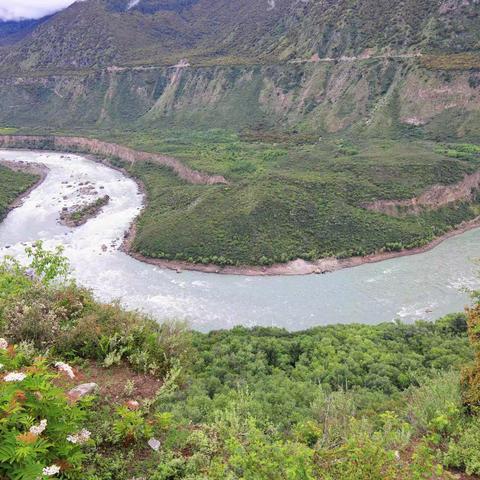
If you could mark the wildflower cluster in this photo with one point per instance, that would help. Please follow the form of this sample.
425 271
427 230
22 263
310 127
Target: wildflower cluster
14 377
36 436
65 368
83 436
51 470
39 429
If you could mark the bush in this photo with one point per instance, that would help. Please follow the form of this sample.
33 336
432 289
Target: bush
463 451
37 306
436 406
44 315
40 429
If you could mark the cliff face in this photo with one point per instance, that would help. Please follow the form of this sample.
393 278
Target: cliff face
97 147
432 199
378 95
319 66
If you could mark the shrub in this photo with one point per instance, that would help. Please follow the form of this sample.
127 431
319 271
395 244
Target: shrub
436 406
40 429
109 333
44 315
471 374
131 426
363 456
38 307
463 449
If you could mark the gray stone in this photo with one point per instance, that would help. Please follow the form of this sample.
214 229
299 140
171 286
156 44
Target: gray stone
83 390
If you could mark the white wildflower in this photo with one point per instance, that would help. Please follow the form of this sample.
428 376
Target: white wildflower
14 377
3 344
51 470
154 444
83 436
64 367
39 429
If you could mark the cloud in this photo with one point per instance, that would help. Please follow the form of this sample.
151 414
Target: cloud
22 9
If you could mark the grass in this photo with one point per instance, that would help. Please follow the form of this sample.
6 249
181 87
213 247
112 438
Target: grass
290 195
13 184
290 198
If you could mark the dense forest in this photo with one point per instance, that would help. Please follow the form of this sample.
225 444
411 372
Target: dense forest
350 402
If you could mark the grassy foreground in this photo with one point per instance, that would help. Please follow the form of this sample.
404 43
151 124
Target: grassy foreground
350 402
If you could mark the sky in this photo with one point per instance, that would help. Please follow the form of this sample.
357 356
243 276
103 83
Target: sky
21 9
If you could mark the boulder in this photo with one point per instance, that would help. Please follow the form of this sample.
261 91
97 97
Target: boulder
83 390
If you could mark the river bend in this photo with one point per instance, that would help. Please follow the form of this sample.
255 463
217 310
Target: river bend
423 286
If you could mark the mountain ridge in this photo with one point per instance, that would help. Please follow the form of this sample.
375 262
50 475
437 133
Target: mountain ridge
104 33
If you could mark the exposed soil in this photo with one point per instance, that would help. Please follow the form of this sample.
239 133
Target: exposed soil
432 199
117 384
110 150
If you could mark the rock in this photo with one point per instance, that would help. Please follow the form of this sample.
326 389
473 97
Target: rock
154 444
132 405
82 390
104 248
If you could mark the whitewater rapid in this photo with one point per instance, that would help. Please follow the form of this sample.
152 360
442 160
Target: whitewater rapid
423 286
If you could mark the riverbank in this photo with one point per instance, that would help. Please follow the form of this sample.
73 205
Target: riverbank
82 145
292 268
422 287
36 169
295 267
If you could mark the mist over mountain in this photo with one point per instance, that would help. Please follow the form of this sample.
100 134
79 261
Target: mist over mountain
19 10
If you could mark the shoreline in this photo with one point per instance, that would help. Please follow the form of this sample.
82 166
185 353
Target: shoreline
34 169
297 267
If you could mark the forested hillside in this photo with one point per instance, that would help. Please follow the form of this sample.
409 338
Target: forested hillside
89 391
315 66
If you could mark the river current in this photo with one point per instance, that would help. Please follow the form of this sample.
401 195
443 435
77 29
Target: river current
423 286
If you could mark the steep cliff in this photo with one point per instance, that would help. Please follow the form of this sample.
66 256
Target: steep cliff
318 66
380 96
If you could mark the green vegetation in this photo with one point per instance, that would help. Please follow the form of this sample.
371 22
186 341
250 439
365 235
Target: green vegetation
12 184
37 418
295 198
79 216
246 32
350 402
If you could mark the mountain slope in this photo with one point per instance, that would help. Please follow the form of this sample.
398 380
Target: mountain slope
105 32
325 65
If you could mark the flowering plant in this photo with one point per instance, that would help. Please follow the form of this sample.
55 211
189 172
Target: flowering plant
41 432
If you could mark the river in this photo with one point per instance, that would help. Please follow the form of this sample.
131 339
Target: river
423 286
